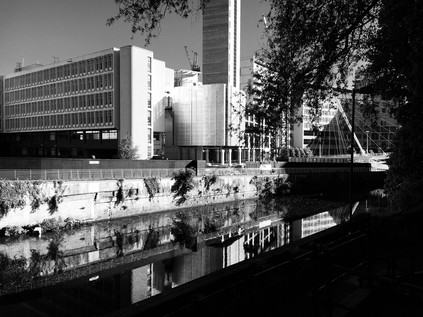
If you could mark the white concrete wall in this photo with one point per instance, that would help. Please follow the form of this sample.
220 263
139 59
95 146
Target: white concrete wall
96 200
158 94
133 96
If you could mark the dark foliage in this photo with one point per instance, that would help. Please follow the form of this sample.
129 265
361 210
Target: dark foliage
145 16
184 183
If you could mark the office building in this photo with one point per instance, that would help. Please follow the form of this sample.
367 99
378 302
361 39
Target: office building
205 120
221 42
84 106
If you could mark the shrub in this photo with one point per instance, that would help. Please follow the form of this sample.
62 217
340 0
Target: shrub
209 180
120 197
57 198
153 186
12 195
184 183
50 225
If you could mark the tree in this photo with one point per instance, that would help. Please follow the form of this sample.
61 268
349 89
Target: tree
396 70
314 48
145 16
127 150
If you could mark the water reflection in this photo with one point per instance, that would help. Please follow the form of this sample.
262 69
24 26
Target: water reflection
171 249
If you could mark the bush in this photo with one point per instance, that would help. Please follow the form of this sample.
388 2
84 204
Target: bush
153 186
12 195
209 180
51 225
184 183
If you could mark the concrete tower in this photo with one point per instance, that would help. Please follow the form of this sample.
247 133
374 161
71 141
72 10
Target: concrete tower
221 42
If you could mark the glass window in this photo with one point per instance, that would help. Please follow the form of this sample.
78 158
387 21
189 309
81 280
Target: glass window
96 135
149 68
149 82
149 100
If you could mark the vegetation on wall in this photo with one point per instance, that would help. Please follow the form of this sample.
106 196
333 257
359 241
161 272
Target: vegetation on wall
57 198
270 186
12 195
209 180
15 194
153 186
184 183
120 197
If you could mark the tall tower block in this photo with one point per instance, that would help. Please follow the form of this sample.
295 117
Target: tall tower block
221 42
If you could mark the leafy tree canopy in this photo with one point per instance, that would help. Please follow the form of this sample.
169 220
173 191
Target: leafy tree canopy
145 16
127 150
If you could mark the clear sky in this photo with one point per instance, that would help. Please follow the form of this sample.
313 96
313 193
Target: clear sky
38 30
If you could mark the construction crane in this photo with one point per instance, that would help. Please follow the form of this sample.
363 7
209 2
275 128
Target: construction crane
193 64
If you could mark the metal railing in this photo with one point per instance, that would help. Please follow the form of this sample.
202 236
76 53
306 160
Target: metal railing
105 174
85 174
278 171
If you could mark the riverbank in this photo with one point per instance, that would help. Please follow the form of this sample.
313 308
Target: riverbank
30 203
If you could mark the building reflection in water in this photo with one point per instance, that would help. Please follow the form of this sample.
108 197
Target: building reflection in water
224 237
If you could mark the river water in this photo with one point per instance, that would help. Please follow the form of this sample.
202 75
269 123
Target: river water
110 265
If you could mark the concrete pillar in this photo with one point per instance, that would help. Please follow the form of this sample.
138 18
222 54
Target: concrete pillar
230 157
222 157
254 154
249 154
239 155
207 156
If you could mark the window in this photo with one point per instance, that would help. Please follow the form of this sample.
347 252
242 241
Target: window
149 100
109 135
156 136
149 135
149 117
100 117
110 117
149 82
96 135
110 81
149 68
110 95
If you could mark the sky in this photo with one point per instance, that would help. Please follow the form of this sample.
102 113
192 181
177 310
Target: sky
39 30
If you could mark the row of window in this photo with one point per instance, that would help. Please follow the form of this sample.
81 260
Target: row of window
68 87
69 120
80 68
99 100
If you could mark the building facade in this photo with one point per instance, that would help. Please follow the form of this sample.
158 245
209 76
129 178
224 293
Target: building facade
331 134
205 118
221 42
83 106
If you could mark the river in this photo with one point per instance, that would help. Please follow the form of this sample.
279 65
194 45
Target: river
110 265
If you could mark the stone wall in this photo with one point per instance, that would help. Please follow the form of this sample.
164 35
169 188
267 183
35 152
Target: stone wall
90 201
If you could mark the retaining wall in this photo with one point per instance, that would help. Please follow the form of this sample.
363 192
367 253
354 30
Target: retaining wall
91 201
